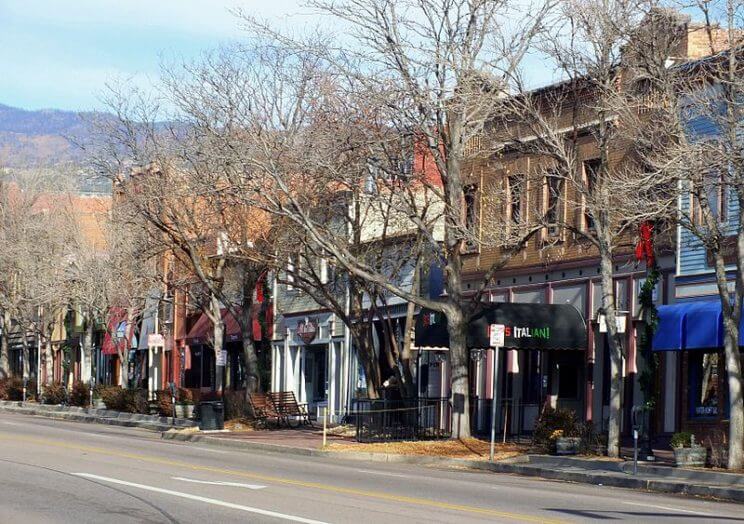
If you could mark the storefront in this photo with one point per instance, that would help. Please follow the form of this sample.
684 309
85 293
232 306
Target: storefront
694 332
542 360
312 362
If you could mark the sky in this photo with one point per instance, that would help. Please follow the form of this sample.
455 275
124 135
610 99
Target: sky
61 53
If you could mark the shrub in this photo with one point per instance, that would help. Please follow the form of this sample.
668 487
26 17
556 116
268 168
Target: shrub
79 394
53 393
165 405
683 439
135 401
553 423
127 400
12 389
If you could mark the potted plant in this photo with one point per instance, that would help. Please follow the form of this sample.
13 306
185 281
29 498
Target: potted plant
687 452
565 445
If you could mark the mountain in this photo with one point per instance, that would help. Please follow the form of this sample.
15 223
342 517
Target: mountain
41 138
46 139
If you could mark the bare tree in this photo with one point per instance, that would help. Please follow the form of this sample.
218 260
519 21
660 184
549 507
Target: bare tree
587 133
697 143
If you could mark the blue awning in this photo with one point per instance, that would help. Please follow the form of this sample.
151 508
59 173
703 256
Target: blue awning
691 325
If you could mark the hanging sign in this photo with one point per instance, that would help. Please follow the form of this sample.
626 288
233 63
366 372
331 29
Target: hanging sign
155 340
306 330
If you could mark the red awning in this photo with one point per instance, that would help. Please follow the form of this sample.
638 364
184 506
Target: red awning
116 338
201 332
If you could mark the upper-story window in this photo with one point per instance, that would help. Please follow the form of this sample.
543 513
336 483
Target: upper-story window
591 172
553 203
516 191
471 213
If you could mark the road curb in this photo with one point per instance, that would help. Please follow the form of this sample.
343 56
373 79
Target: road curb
75 416
509 466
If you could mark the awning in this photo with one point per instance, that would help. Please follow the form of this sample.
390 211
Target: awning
527 326
115 338
691 325
202 330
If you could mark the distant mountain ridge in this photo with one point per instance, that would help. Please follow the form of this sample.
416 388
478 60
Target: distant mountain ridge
47 139
41 138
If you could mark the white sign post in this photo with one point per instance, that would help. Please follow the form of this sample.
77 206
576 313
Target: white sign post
496 341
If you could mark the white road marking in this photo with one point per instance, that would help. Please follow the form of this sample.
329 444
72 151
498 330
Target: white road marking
385 473
666 508
206 500
220 483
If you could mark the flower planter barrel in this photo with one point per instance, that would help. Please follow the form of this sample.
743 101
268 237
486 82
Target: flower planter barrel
567 445
690 457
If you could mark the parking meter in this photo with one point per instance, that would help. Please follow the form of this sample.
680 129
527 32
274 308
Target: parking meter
637 419
92 386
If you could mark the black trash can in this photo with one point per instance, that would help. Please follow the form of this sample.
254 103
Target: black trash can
211 415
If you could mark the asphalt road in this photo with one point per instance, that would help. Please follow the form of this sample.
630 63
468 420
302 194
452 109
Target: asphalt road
54 471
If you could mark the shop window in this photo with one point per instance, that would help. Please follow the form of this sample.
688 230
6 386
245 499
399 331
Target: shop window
704 384
470 193
533 392
568 381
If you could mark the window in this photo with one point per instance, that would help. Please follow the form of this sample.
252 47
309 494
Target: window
323 271
515 197
554 185
718 196
704 384
290 272
469 193
591 172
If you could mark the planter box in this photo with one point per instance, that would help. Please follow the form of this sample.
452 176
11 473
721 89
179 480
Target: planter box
690 457
184 410
567 445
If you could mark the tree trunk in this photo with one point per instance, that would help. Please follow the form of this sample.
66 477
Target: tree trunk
48 361
615 349
250 357
458 327
26 355
4 346
86 364
123 353
219 339
362 336
736 403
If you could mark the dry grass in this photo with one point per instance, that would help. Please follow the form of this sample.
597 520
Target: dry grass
470 448
239 424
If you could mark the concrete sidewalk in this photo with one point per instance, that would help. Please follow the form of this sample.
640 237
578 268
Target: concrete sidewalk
98 416
602 472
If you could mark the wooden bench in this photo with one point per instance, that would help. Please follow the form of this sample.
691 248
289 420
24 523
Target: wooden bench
287 406
264 408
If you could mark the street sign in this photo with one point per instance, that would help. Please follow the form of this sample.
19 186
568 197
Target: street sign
221 359
497 335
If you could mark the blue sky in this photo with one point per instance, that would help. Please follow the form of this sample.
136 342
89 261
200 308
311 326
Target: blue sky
60 53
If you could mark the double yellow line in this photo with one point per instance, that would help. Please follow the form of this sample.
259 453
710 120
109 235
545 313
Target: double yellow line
279 480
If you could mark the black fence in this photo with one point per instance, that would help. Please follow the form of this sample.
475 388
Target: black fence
387 420
518 417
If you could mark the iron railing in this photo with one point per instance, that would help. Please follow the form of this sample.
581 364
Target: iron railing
386 420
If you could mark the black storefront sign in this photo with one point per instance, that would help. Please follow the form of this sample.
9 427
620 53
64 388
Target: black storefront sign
528 326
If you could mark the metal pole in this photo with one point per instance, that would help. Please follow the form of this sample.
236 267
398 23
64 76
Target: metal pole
325 425
493 400
635 451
